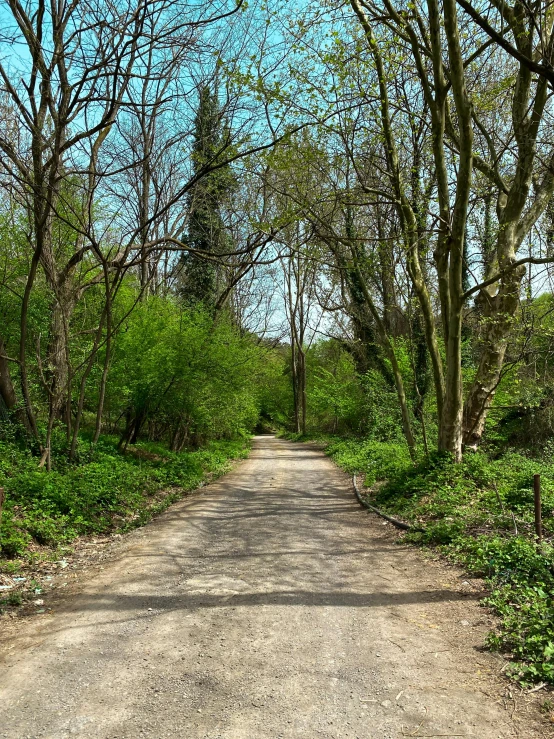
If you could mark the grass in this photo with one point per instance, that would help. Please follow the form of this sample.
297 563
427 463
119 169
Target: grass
106 492
480 514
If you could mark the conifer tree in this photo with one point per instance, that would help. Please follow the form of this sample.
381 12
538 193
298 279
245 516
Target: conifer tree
201 279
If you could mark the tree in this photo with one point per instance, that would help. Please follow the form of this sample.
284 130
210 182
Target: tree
69 94
206 230
84 138
299 293
323 191
463 139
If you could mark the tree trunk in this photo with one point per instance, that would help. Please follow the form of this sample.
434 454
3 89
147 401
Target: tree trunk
31 420
450 434
499 311
105 369
82 388
1 504
6 386
59 370
7 390
514 224
401 393
294 376
391 354
302 389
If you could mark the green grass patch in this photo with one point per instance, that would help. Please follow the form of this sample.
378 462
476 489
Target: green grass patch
107 492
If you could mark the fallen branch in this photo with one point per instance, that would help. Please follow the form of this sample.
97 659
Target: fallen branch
390 519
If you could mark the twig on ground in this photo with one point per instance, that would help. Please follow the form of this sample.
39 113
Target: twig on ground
397 645
419 727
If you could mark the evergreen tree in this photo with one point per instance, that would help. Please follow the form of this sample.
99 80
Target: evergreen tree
200 278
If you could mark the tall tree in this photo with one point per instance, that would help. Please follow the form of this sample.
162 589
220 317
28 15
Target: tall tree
206 233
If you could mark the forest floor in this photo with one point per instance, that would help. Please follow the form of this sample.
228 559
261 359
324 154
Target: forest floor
267 605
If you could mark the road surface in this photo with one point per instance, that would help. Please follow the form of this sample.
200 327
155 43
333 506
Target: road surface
268 604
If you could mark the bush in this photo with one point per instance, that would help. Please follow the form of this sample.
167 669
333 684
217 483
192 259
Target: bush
378 460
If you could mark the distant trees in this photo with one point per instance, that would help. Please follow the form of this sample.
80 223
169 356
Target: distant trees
299 291
438 172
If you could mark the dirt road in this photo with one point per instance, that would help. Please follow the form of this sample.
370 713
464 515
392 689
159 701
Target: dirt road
267 605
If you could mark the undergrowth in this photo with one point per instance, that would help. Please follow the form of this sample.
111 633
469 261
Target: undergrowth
106 492
478 513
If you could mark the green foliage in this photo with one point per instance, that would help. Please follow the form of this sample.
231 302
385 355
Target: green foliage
110 492
275 391
340 400
185 374
378 460
206 227
383 419
335 396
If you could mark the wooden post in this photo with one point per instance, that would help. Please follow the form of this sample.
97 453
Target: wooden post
538 507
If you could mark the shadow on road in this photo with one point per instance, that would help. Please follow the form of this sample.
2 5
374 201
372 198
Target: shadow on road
268 534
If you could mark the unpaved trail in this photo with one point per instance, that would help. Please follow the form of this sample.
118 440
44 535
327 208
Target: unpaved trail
269 605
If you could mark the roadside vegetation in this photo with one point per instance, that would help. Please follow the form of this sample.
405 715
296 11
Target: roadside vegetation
320 218
107 492
173 416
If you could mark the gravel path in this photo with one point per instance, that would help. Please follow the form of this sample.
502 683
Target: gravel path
267 605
